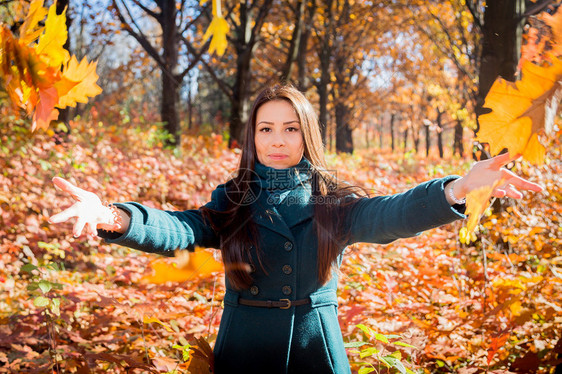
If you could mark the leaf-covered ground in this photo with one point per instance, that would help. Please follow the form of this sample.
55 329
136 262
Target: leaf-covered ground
494 305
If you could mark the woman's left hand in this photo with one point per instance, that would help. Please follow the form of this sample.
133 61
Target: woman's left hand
487 172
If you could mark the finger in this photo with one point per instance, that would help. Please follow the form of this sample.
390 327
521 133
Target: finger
64 216
520 183
504 159
67 187
91 230
78 227
513 193
499 192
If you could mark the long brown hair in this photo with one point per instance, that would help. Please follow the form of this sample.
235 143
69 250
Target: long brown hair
238 232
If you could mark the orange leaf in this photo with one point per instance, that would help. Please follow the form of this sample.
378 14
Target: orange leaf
496 343
200 263
78 83
45 111
522 110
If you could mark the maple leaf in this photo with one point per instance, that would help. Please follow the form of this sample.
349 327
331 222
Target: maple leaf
522 111
496 343
51 42
45 111
476 204
29 31
218 30
555 23
200 263
78 82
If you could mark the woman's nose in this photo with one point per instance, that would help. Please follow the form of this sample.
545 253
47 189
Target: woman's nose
278 141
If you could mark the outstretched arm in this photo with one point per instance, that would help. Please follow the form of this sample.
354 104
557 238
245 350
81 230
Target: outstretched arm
382 219
142 227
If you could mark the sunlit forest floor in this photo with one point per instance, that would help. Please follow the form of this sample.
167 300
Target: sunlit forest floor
492 306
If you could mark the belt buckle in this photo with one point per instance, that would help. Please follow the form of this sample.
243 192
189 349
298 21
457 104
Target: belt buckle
288 304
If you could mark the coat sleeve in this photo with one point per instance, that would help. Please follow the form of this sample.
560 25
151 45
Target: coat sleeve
158 231
383 219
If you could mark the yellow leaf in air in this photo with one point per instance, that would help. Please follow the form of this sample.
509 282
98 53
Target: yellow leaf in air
522 110
476 204
78 83
218 30
30 31
51 42
191 265
147 320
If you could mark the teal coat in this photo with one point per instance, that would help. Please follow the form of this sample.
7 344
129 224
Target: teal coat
301 339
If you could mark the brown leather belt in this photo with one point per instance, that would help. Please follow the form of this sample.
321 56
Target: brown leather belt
281 304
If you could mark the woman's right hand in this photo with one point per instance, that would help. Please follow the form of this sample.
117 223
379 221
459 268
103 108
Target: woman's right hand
88 209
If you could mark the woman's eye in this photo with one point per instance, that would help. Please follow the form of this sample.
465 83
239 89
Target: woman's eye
265 129
292 129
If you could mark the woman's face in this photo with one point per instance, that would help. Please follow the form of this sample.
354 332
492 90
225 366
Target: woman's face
278 138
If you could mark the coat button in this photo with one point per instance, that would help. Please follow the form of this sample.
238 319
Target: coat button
254 290
287 269
287 290
288 246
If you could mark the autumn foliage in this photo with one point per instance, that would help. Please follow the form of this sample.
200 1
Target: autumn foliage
36 71
430 304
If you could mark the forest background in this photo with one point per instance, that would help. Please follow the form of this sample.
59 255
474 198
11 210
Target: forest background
398 87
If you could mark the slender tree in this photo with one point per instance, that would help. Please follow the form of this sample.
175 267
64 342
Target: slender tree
176 21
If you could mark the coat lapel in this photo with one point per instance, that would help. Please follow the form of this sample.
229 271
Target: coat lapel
292 209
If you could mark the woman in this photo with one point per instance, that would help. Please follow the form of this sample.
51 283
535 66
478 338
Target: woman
282 224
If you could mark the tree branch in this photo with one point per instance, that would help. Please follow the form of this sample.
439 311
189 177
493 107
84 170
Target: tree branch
151 13
228 91
140 37
477 20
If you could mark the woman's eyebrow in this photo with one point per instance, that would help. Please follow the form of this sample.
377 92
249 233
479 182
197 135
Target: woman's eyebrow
285 123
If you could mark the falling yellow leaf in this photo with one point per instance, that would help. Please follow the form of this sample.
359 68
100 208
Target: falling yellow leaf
29 30
146 319
51 42
476 204
523 110
78 83
218 29
190 265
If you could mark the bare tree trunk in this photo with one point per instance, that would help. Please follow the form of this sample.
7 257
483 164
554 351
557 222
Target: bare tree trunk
61 5
392 118
303 81
427 143
294 47
501 44
406 131
344 140
189 102
381 126
325 57
440 132
458 145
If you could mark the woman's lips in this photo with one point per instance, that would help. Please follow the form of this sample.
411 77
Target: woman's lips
277 156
